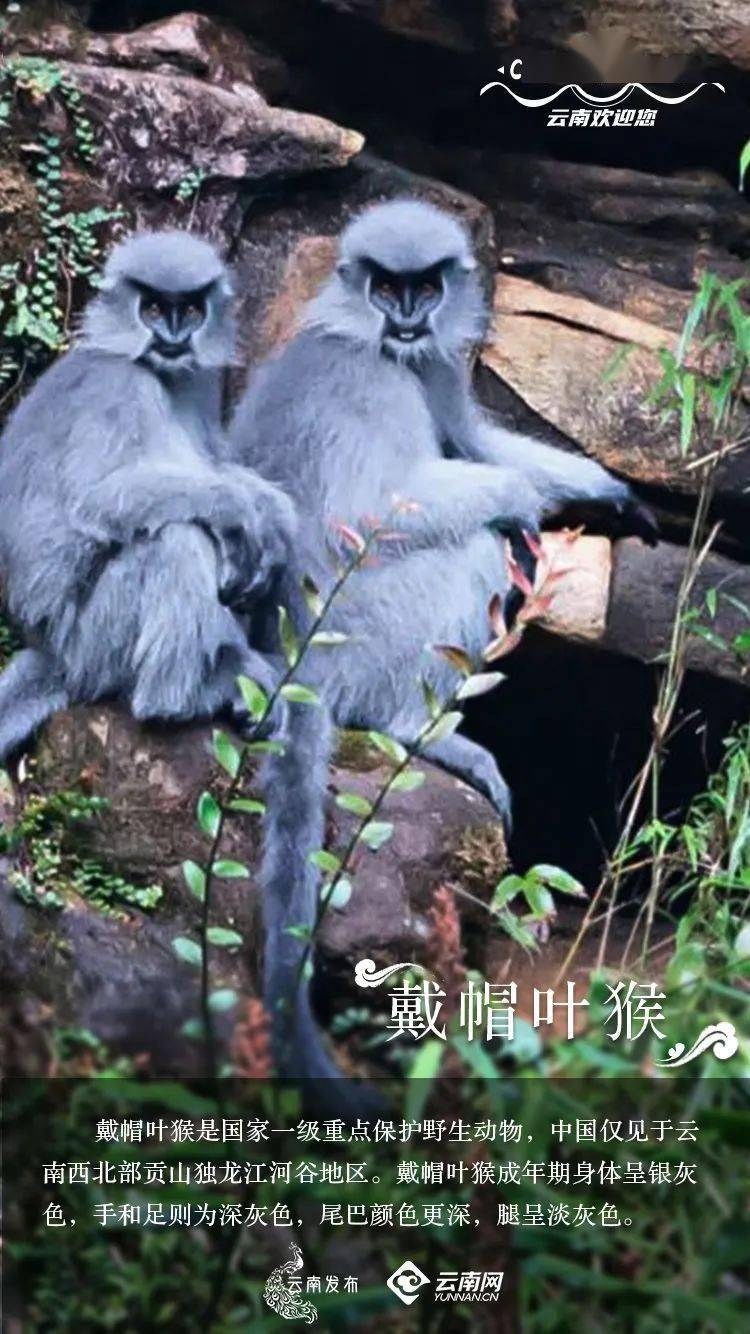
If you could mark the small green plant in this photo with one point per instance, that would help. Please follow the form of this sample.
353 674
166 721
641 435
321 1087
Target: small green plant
49 871
190 185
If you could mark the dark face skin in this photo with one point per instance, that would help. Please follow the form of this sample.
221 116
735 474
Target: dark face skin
172 318
407 300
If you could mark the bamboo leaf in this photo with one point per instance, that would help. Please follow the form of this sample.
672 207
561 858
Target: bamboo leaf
222 1000
558 879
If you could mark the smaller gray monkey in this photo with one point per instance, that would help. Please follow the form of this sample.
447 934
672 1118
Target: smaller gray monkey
371 399
127 541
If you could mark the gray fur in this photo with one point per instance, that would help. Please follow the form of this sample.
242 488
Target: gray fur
344 419
122 525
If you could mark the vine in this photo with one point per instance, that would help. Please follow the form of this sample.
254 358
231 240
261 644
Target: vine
36 295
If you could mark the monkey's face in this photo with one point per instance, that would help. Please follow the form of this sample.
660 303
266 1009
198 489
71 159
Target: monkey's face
172 321
408 302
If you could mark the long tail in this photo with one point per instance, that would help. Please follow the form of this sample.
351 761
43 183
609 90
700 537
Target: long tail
30 692
295 786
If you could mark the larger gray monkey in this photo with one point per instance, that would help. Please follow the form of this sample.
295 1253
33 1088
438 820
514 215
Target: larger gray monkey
371 399
122 531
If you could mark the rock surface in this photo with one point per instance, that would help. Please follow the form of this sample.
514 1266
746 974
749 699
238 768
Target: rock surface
112 974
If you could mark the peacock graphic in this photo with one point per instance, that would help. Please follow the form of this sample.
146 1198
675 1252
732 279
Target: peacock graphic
290 1305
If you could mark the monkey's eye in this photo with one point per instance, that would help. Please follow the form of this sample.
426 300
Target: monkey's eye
385 289
429 289
151 311
193 311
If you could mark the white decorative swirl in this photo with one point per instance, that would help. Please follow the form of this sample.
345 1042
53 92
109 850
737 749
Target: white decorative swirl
722 1037
611 99
367 975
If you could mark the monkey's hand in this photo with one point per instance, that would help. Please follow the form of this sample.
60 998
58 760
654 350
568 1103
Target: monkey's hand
253 547
638 520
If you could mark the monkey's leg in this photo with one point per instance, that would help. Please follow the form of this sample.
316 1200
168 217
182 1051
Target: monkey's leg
31 690
190 649
471 762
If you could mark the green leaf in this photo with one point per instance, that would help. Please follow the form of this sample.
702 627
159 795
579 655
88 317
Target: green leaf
188 950
223 937
432 703
226 753
557 879
687 415
248 805
229 870
195 879
393 749
222 1000
340 896
505 892
408 781
254 698
457 657
327 861
744 163
351 801
616 362
299 932
288 637
298 694
480 684
312 597
442 728
329 638
540 900
209 814
265 748
376 833
193 1029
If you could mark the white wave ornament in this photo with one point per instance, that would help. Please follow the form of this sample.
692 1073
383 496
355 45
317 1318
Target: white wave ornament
721 1037
367 975
610 100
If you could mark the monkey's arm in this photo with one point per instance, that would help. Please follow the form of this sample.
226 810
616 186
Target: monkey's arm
251 521
447 500
558 477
